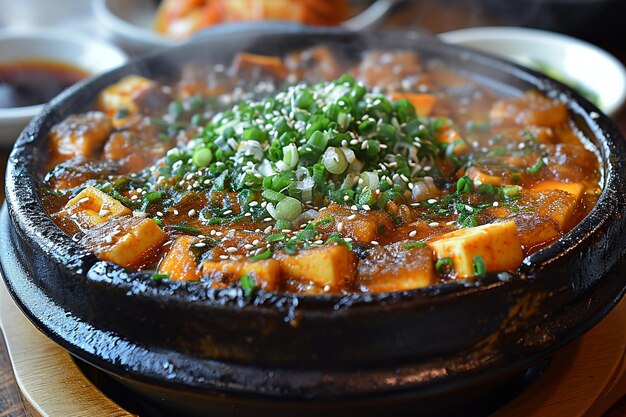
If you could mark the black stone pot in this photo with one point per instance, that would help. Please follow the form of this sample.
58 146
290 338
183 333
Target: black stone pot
210 351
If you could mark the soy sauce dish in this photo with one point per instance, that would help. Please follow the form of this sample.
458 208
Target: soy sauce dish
212 344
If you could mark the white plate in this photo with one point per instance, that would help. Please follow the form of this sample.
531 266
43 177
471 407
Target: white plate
573 59
77 49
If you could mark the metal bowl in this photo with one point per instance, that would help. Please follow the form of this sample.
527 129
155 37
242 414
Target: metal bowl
197 348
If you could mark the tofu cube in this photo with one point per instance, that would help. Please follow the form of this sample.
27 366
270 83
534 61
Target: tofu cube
266 273
576 189
92 207
122 94
80 135
497 243
328 265
396 268
535 231
180 262
558 205
124 240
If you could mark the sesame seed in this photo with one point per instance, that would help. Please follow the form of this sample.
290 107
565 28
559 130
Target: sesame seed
159 214
267 219
319 242
351 217
404 178
469 208
231 249
346 197
496 204
375 243
191 213
218 234
224 256
200 245
326 288
247 214
412 233
254 203
227 212
339 226
354 207
286 231
248 246
366 207
432 201
433 224
267 229
348 239
175 212
255 242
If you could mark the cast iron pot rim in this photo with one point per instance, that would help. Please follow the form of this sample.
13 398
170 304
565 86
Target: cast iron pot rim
22 174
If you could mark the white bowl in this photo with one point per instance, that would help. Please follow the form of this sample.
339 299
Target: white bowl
77 49
574 60
131 22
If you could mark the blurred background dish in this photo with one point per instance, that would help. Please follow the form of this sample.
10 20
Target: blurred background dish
593 72
141 25
36 65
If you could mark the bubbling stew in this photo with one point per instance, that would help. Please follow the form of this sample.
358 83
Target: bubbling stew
308 175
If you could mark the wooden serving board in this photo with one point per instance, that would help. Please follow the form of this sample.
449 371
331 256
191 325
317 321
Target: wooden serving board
585 379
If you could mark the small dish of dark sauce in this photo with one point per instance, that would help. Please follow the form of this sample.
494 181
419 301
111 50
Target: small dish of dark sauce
31 82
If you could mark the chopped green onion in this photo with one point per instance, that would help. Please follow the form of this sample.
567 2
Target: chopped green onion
283 224
336 238
288 209
464 185
536 167
272 196
202 157
479 266
444 266
325 220
248 286
186 228
290 155
261 256
159 277
334 160
276 237
511 190
411 245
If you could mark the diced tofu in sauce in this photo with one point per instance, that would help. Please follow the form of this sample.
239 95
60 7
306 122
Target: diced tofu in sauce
124 240
91 207
498 245
390 241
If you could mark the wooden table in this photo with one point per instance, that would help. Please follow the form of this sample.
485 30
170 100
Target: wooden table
419 14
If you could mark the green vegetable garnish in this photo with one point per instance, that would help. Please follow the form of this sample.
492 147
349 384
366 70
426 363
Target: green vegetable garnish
248 286
444 266
479 266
